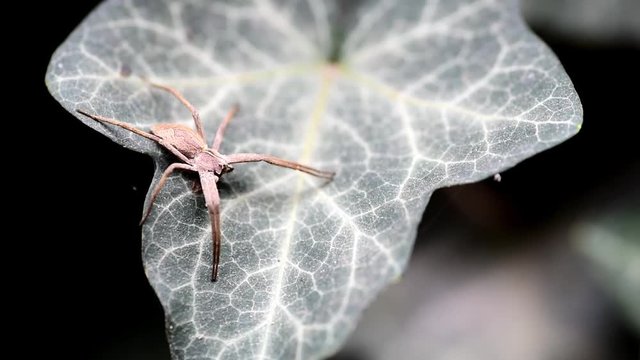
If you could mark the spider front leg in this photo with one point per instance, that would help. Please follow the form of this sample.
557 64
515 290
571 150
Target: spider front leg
196 115
135 130
249 157
194 112
208 181
223 126
163 179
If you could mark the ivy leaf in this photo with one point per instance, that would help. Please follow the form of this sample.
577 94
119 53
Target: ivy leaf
418 95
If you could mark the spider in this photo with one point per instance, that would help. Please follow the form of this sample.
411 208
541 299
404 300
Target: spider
190 147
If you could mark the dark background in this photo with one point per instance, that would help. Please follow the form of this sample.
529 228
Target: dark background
91 297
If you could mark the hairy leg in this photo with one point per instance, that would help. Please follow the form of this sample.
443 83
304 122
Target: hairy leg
223 126
194 112
208 181
135 130
163 179
249 157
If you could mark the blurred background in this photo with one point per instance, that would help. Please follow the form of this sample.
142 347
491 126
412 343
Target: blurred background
542 265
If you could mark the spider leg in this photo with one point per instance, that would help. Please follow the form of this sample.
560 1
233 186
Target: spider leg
208 181
121 124
135 130
163 179
194 112
249 157
223 126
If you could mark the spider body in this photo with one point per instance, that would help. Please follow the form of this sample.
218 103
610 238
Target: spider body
191 148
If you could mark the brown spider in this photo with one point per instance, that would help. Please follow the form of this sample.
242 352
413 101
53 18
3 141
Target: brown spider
191 148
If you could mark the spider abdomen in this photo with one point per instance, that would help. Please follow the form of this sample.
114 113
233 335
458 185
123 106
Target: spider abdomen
186 140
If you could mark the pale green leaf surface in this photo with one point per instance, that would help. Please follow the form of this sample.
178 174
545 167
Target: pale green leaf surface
426 95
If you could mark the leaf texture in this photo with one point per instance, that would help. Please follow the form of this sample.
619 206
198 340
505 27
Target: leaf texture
425 94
